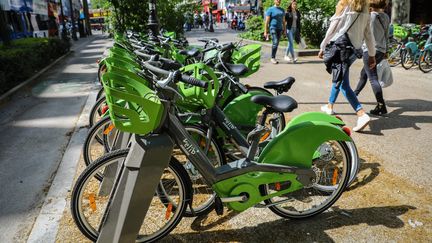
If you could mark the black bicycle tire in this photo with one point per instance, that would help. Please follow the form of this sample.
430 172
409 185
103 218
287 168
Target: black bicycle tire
95 110
422 58
174 165
87 141
278 212
221 155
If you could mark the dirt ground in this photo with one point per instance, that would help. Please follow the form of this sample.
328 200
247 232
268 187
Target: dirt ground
377 207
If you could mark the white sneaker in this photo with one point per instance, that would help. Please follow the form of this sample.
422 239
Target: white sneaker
295 60
327 110
287 58
274 61
362 122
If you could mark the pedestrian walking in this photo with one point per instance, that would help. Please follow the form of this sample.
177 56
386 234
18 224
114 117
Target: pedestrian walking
380 23
275 21
349 26
293 27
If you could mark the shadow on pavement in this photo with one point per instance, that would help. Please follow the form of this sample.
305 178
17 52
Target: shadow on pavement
308 230
368 172
397 119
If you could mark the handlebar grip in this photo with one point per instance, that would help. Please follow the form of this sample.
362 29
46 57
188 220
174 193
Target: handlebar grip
136 46
193 81
154 69
228 47
143 55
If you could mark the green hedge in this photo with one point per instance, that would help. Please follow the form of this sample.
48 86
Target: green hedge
25 57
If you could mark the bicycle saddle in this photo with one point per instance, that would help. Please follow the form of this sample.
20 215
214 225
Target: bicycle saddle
236 69
281 86
281 103
189 53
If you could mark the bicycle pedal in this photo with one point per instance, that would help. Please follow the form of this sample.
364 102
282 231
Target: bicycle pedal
219 208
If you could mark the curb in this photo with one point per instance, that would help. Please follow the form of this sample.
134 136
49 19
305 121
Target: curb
47 223
6 96
300 53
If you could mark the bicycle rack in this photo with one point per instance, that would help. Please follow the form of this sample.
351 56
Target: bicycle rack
136 184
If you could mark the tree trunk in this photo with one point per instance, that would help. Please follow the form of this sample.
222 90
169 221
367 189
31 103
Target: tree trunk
401 11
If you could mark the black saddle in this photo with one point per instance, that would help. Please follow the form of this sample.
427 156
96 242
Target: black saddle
237 69
189 53
281 103
280 86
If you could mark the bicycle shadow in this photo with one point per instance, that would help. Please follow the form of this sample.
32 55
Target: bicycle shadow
308 230
364 177
397 119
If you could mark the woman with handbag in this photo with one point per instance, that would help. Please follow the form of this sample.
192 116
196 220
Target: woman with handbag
380 23
293 24
348 28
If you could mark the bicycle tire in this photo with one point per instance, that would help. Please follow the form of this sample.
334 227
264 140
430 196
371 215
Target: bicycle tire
86 228
407 59
198 184
88 150
96 111
333 196
425 58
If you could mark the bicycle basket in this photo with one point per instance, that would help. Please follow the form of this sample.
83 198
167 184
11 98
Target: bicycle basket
121 63
248 55
196 97
399 31
140 111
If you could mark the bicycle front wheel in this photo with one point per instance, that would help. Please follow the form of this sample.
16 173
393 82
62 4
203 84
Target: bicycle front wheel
91 195
332 170
425 63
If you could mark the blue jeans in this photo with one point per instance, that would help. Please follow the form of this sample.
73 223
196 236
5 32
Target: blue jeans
290 35
346 90
275 35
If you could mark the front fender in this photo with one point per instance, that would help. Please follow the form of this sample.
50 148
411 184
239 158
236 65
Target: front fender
315 116
428 47
411 46
296 145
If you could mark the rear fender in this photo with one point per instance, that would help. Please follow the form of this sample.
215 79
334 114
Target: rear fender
242 111
315 116
297 144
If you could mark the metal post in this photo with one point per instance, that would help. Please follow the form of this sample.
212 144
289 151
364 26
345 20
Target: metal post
74 36
130 200
211 16
153 23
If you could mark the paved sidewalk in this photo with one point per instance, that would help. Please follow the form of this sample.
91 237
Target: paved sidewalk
35 128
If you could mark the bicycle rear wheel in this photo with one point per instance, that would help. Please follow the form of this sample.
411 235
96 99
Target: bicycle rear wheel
395 56
332 171
90 198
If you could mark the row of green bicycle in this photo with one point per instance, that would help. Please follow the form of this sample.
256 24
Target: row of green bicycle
220 143
411 45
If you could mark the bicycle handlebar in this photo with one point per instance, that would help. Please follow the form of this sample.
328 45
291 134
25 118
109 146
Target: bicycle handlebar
184 78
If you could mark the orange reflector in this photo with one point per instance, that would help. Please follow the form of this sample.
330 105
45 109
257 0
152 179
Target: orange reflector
277 186
168 211
92 201
264 137
109 129
335 176
97 61
347 131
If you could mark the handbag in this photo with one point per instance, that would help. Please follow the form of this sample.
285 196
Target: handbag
385 75
335 51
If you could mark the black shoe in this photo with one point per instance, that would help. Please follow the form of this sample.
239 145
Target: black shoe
379 110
